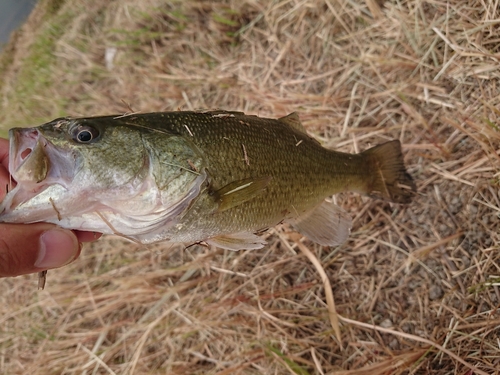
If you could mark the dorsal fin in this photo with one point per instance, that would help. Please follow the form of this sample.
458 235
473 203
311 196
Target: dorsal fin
219 112
293 121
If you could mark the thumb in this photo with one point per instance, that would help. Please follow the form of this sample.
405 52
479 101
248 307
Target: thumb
35 247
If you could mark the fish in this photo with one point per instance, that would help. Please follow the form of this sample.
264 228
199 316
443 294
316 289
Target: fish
217 177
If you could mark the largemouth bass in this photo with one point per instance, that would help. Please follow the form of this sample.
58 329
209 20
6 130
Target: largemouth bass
219 177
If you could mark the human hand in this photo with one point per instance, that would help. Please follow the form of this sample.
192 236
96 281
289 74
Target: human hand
30 248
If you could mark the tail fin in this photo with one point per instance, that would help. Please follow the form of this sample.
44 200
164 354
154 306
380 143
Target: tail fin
390 181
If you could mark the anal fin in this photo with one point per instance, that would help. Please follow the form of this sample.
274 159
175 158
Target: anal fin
326 224
237 241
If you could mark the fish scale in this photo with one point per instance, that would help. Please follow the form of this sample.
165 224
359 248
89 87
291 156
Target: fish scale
187 176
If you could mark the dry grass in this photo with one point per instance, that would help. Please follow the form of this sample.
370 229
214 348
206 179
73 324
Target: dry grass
416 288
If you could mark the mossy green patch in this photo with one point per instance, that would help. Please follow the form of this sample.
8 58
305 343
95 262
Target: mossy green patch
53 6
37 73
296 368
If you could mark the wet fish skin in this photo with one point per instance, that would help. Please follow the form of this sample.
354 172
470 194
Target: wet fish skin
190 176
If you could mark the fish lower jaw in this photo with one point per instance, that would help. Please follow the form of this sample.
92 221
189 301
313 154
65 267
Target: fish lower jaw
11 210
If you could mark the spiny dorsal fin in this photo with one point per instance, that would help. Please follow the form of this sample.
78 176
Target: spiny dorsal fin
219 112
293 121
238 192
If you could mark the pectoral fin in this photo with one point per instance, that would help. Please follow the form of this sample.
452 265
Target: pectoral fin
237 241
327 224
238 192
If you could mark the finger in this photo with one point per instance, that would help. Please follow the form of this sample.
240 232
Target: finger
4 152
87 236
35 247
5 182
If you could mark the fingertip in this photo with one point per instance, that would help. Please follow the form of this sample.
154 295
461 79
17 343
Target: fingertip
4 152
84 236
57 248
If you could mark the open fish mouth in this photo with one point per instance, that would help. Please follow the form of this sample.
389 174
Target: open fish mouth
28 162
35 165
34 160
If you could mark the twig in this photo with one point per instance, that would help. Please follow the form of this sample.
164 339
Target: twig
415 338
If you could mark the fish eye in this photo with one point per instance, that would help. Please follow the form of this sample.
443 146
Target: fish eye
85 134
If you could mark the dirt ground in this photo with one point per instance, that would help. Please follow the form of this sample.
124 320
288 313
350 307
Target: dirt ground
415 288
